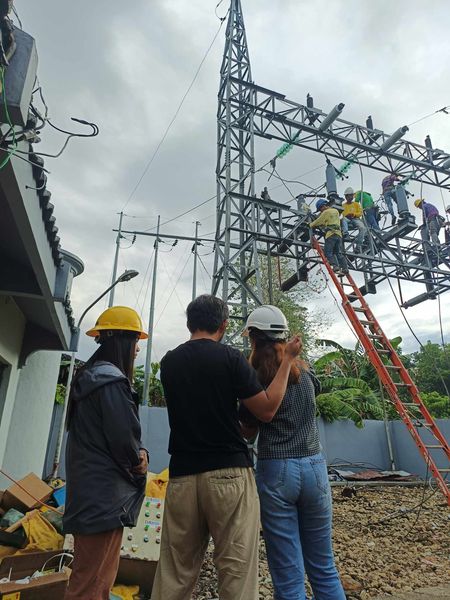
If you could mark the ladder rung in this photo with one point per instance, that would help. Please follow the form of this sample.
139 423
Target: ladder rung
364 322
393 367
376 336
433 446
404 385
444 470
411 404
358 309
382 351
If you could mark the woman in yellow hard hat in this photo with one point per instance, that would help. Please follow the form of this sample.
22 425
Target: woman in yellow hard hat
106 464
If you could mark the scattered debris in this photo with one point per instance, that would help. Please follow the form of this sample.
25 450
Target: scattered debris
374 558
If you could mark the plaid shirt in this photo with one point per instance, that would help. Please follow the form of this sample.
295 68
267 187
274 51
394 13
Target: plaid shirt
293 431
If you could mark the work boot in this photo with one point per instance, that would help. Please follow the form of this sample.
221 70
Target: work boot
394 220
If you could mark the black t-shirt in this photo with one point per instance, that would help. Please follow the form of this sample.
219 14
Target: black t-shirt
203 381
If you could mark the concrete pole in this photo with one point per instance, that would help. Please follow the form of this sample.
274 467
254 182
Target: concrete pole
116 261
151 318
194 277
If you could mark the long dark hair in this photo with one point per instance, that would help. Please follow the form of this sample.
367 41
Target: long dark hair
266 357
117 348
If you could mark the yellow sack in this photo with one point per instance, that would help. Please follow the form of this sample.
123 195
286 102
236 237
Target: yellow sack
125 592
157 484
41 534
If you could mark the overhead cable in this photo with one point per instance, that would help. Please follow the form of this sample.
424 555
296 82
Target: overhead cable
162 140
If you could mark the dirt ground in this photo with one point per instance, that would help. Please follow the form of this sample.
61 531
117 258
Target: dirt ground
384 543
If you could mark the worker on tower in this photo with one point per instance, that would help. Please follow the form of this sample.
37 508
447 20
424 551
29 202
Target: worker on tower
369 209
106 464
432 220
212 490
352 219
447 225
329 222
388 186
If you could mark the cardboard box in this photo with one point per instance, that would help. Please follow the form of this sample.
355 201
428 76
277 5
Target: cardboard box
52 586
133 571
18 498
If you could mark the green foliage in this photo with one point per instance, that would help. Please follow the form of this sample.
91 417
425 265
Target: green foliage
155 388
439 406
347 398
351 387
60 393
430 368
293 304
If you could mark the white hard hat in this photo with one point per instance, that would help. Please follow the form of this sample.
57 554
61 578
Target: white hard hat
349 191
269 319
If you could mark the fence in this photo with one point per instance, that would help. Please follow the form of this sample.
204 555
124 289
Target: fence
342 442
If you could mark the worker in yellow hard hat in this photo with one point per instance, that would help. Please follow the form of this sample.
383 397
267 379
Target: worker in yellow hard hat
432 221
106 464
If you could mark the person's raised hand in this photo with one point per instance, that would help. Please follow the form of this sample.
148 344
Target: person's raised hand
294 347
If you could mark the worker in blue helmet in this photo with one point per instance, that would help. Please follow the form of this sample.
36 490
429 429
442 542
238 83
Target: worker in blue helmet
329 222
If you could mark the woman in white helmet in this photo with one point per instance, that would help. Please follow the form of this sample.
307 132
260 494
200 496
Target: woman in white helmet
291 472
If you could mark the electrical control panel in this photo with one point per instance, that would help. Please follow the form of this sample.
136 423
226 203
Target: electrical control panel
144 541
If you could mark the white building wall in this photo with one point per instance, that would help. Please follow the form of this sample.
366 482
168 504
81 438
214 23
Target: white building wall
30 423
12 326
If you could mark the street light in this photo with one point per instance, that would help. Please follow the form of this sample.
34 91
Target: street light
126 276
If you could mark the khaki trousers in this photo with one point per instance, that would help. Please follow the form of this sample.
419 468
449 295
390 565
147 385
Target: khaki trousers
95 565
223 504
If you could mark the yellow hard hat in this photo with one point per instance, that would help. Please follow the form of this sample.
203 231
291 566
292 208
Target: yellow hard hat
418 202
120 318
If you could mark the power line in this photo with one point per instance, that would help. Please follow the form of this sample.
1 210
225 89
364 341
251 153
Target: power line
444 109
173 290
162 140
186 212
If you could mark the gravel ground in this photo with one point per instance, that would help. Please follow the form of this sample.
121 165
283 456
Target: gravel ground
375 553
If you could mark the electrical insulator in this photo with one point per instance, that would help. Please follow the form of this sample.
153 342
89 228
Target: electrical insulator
330 175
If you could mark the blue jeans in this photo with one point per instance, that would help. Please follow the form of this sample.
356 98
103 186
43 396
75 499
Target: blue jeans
334 252
296 516
355 224
371 217
389 196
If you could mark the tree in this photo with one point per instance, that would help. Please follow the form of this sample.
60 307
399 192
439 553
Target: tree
431 368
155 388
293 303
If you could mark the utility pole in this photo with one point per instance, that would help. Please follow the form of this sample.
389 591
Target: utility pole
116 260
151 318
194 277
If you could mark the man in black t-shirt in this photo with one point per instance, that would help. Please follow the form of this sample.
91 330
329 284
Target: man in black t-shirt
211 489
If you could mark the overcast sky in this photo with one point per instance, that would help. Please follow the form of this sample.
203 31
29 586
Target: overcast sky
126 66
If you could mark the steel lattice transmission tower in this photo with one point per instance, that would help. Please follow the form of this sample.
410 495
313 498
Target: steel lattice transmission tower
235 259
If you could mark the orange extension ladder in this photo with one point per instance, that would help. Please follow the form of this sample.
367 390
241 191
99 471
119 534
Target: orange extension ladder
392 373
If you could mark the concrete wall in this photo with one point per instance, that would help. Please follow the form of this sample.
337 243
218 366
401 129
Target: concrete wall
155 436
342 442
31 416
12 325
406 452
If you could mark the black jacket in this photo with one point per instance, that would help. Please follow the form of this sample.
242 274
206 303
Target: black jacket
102 447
